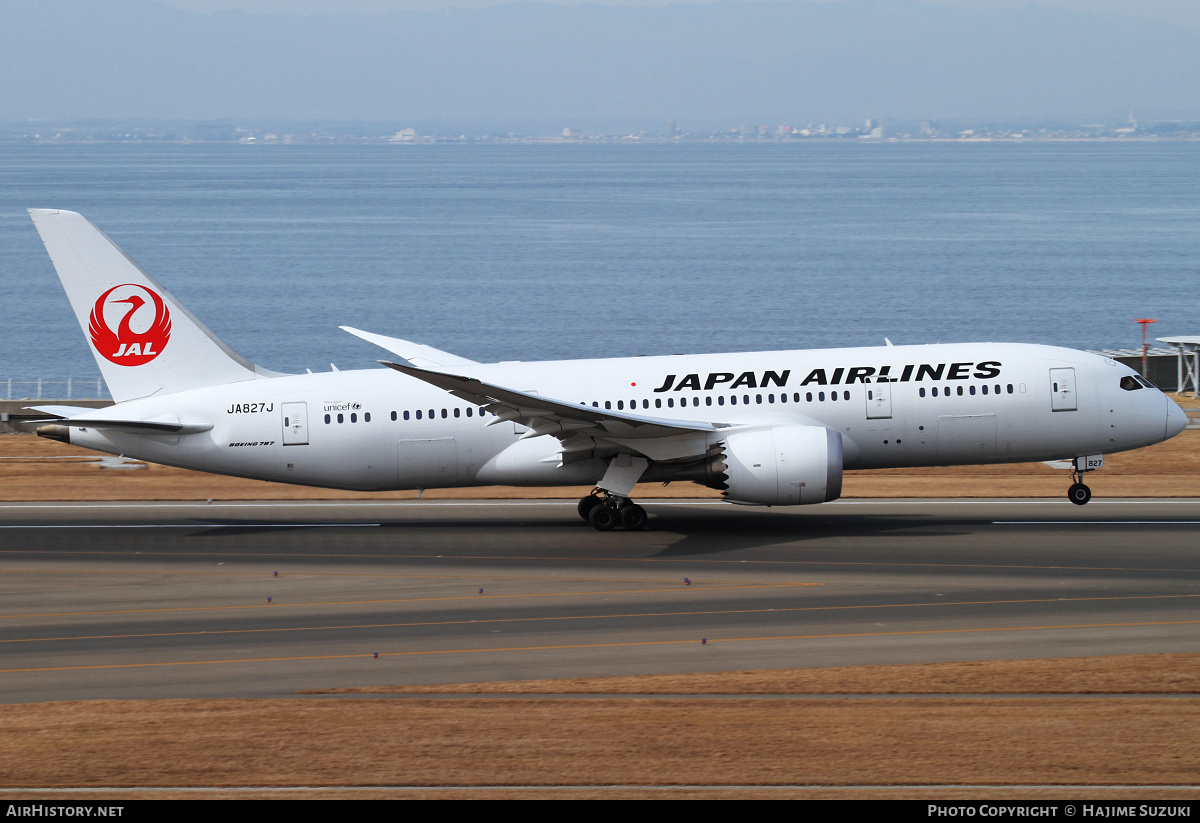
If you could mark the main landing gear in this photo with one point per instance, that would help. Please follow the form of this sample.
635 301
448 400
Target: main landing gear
606 511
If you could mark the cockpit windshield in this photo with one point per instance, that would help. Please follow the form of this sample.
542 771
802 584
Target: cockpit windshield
1133 382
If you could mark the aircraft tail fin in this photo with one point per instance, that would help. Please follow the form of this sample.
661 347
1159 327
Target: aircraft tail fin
144 341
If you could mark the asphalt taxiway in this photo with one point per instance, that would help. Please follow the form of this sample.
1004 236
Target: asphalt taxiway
161 600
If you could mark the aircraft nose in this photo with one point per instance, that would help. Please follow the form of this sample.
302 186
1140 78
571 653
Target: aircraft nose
1176 419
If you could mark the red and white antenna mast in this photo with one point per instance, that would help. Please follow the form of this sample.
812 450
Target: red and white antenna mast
1145 321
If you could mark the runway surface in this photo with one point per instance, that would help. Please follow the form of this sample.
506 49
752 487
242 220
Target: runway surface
264 599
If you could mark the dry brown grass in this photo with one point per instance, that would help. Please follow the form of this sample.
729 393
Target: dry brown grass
1131 674
696 741
1170 469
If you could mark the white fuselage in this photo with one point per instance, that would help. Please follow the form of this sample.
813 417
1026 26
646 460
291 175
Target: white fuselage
378 429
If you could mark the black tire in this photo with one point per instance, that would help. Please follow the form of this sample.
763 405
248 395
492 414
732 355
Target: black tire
633 517
1079 494
586 505
602 518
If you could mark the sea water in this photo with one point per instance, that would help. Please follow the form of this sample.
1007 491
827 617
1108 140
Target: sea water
527 252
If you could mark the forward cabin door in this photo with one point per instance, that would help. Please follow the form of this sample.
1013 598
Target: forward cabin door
295 424
1062 387
879 401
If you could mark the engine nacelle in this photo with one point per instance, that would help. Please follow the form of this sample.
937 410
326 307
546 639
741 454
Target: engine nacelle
783 466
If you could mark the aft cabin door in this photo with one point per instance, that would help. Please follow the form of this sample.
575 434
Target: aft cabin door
1062 387
879 401
295 424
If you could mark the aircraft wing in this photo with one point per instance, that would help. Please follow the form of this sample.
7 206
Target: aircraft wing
415 353
580 428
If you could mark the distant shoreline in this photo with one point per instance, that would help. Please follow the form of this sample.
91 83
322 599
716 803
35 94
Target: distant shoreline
433 140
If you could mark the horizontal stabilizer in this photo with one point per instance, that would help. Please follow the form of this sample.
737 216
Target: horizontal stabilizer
165 424
62 411
415 353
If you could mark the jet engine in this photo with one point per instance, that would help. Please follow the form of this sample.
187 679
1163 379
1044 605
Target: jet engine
780 466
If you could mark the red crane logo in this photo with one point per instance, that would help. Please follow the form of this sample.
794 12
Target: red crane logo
130 344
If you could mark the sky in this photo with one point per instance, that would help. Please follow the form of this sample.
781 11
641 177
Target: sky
1179 12
609 69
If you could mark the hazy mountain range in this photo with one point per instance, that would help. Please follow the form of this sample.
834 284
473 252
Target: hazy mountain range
590 65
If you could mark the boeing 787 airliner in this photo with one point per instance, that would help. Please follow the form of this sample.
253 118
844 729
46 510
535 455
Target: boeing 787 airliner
769 428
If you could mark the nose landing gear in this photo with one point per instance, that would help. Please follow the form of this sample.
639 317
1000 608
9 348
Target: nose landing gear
606 511
1080 494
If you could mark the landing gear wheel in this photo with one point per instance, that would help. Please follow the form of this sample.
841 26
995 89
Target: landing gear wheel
603 518
633 517
1079 494
586 505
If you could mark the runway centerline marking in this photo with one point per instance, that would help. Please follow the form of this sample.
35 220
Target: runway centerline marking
160 573
497 620
627 644
475 597
591 559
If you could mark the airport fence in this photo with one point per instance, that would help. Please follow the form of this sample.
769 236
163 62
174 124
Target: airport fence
42 388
